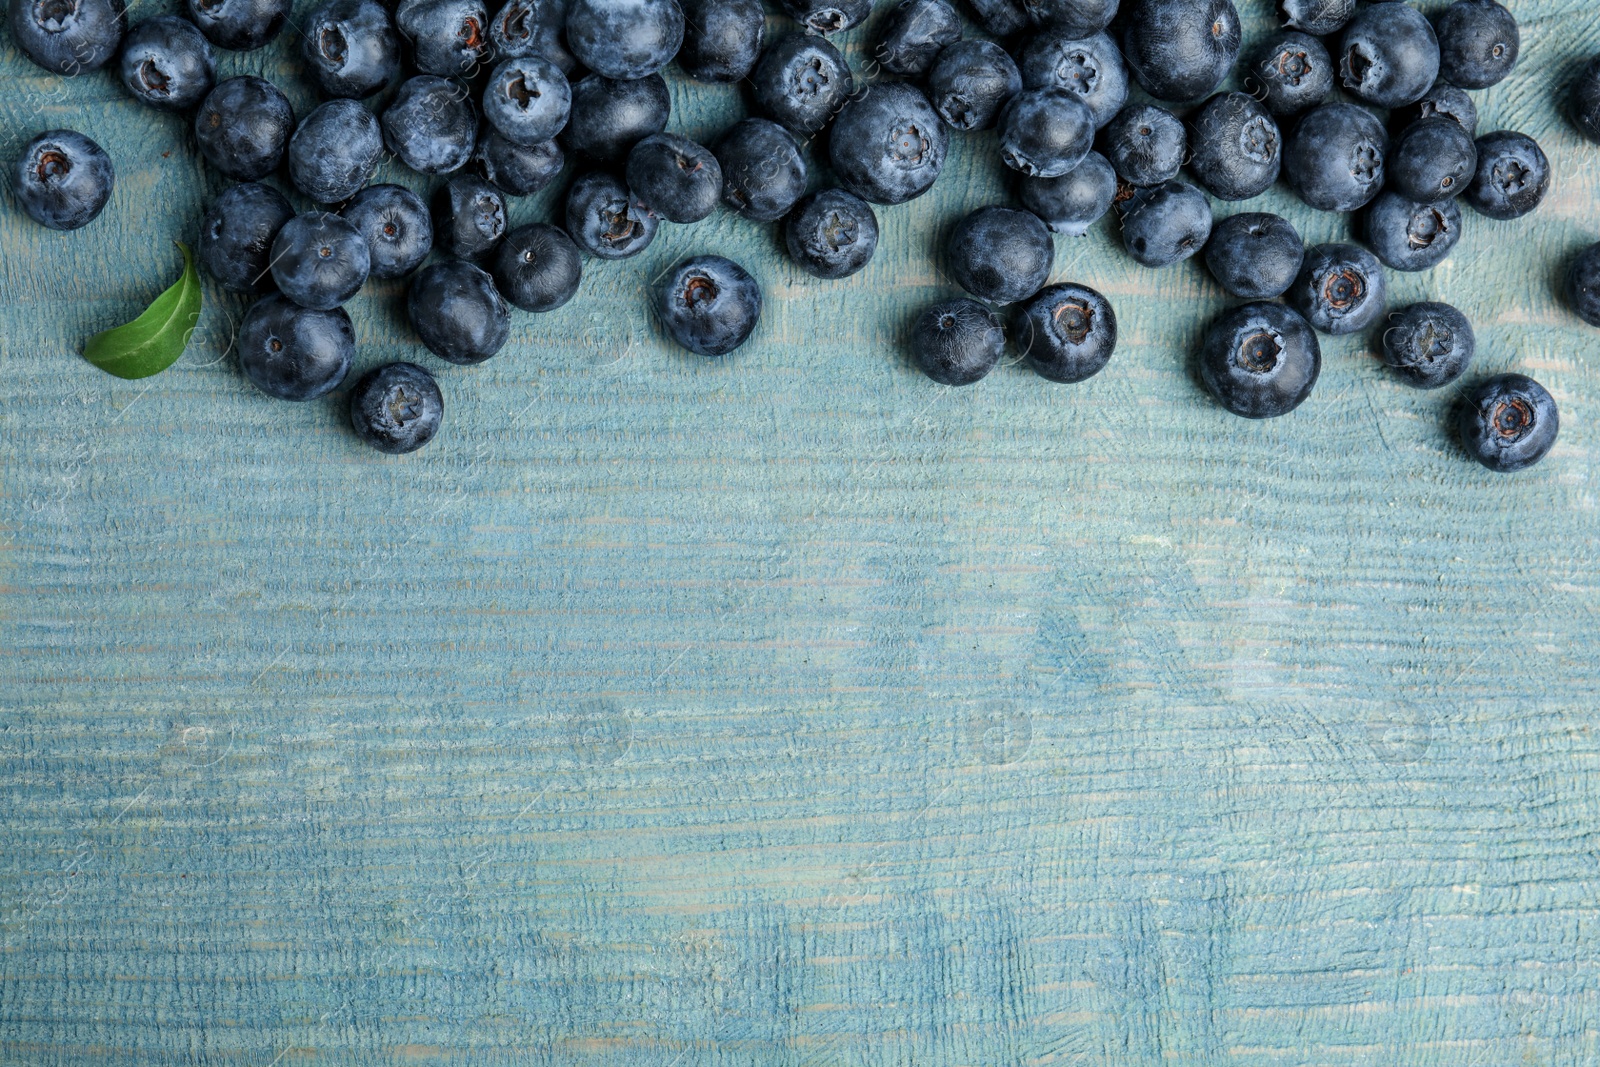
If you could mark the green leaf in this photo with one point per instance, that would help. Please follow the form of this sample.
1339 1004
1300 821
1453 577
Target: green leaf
152 342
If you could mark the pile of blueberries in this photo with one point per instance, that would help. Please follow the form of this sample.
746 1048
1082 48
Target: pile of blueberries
496 105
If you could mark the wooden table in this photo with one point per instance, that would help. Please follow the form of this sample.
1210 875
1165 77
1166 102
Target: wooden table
790 709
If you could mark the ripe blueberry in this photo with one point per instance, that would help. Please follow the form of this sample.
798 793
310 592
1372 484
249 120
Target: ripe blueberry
239 25
680 180
1000 254
527 99
537 267
1092 67
1334 158
827 16
532 28
1000 18
319 260
957 342
1513 175
350 47
1508 423
763 173
1180 49
1260 360
292 352
911 34
624 39
67 36
1045 132
1411 236
1066 332
1583 285
1428 344
63 179
1292 72
520 170
448 38
1076 18
1164 224
831 234
801 82
1478 43
1446 101
1237 149
709 305
1254 256
430 124
469 217
887 146
721 39
335 151
1389 55
395 224
396 408
1318 17
457 312
1340 289
236 236
969 83
1146 144
1431 160
1070 203
168 64
243 127
610 117
606 220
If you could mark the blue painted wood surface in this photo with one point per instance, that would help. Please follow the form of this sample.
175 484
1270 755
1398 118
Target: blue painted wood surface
790 709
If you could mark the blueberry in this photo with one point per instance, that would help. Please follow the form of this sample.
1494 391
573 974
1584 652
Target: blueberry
957 342
236 236
1513 175
1045 132
1334 159
970 82
537 267
831 234
319 260
1293 73
827 16
1583 285
1508 422
1260 360
887 145
1000 254
763 173
457 312
350 47
1000 18
67 36
396 408
1164 224
1410 236
1431 160
469 217
1070 203
1478 43
1254 256
63 179
1446 101
1339 290
1389 55
1238 150
679 179
395 224
243 127
1180 49
532 28
527 99
1584 101
1091 66
448 38
431 125
610 117
239 25
1319 17
709 305
1146 144
292 352
624 39
721 39
520 170
168 64
1428 344
1077 18
911 34
801 82
1067 332
335 151
606 220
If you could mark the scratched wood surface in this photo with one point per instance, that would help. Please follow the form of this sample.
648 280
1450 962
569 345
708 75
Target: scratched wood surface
790 709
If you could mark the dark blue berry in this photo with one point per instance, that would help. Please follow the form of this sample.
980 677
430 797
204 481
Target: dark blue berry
1075 18
888 145
1000 254
1090 66
970 82
763 173
292 352
469 217
335 151
319 260
1334 159
239 25
1478 43
520 170
1260 360
1428 344
801 82
1512 178
911 34
1431 160
1583 285
63 179
243 127
350 47
1446 101
831 234
1000 18
1340 289
1584 101
396 408
721 39
537 267
1410 236
1237 149
1165 224
527 99
1045 132
680 180
624 39
395 224
827 16
1292 71
606 220
168 64
532 28
1180 49
1254 256
709 305
1066 332
236 236
1508 423
448 38
1317 17
1389 55
1070 203
610 117
457 312
1146 144
67 36
431 124
957 342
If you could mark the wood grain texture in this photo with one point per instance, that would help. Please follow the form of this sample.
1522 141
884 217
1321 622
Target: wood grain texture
789 709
